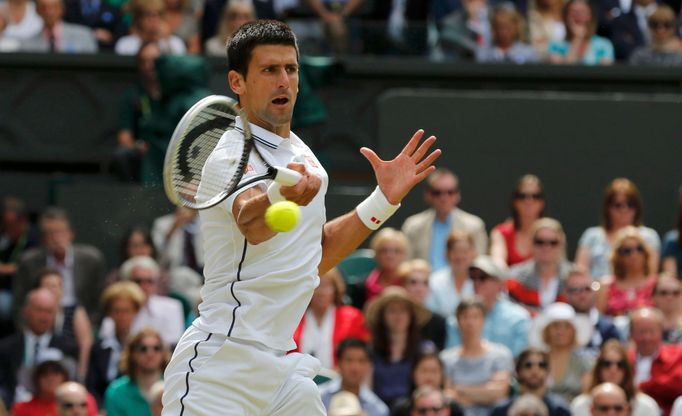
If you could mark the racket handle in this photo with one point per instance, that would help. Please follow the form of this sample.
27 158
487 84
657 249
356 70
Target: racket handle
287 177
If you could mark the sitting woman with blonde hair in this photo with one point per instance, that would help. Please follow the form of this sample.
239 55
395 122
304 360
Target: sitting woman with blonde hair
390 250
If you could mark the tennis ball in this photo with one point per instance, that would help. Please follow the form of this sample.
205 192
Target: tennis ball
282 216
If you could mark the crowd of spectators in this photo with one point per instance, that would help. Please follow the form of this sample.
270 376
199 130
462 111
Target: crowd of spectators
448 323
598 32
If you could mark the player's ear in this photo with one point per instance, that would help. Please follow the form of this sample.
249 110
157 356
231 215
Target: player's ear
236 82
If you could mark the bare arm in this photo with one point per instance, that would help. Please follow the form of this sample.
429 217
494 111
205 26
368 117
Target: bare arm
494 390
654 258
498 247
670 265
583 258
602 296
84 339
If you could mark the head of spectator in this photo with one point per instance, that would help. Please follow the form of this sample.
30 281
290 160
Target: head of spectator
72 399
549 242
442 192
532 371
470 315
527 201
580 290
612 366
428 370
579 20
429 400
235 14
390 249
488 277
415 275
460 251
56 230
40 311
507 25
137 241
47 377
558 327
146 58
392 316
353 363
630 255
122 301
609 399
148 21
667 299
345 403
156 396
144 271
528 405
328 293
662 24
145 356
14 221
51 11
622 205
51 280
646 330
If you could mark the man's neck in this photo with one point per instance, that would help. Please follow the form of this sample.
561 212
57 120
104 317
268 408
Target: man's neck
353 388
443 216
538 392
145 379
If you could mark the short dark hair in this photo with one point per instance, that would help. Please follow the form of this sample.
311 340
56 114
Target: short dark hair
347 343
525 354
469 303
252 34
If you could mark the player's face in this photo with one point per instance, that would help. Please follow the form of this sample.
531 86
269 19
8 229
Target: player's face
268 92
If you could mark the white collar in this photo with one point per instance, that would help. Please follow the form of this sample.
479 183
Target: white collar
261 135
68 259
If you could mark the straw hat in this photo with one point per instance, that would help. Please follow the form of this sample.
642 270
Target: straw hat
345 403
390 294
560 312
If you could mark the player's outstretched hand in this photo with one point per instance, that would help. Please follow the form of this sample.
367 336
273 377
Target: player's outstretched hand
306 189
398 176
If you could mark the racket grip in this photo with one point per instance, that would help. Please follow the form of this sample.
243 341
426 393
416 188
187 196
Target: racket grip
287 177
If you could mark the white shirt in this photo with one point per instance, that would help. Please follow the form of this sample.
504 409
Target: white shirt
130 45
260 292
316 340
30 26
66 271
444 297
643 368
30 346
116 348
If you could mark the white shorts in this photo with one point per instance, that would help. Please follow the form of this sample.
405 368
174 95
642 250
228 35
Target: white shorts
212 375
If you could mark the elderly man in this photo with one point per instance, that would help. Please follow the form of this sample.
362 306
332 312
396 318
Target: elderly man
429 401
57 35
609 399
506 323
72 399
658 366
428 231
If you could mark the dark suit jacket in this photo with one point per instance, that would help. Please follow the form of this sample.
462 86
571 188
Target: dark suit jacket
625 35
555 405
415 10
89 274
12 357
96 380
105 17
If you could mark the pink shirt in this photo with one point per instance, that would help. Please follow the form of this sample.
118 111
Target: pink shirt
620 301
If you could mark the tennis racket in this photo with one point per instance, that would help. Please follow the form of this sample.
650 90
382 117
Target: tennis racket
188 180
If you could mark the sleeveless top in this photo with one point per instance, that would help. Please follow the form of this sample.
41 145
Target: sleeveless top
621 301
509 234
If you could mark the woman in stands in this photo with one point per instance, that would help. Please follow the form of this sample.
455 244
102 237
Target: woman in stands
415 274
545 24
390 249
665 48
451 284
668 299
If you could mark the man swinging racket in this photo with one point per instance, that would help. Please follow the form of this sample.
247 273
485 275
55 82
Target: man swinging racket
233 360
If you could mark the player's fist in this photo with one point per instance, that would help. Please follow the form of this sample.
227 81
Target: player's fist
306 189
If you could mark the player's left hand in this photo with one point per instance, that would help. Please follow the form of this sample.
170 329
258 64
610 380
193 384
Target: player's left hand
306 189
398 176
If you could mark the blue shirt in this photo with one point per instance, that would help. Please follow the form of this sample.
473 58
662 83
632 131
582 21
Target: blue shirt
671 248
439 238
506 323
369 401
598 50
444 297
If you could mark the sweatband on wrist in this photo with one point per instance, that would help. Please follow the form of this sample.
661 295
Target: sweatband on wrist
274 195
375 209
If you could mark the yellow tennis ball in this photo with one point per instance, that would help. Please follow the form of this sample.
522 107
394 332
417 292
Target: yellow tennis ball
282 216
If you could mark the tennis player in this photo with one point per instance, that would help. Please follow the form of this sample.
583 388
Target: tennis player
233 359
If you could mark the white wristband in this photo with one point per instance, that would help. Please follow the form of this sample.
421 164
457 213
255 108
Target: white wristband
375 209
274 195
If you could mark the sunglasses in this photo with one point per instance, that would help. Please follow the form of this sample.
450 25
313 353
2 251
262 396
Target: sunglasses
530 364
608 364
441 192
605 408
73 405
147 348
541 242
523 195
626 251
427 410
576 290
661 24
416 281
143 281
663 292
622 205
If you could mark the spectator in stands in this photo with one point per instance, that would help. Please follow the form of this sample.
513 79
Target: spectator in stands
478 372
72 321
345 403
57 35
121 302
149 26
526 405
613 367
431 401
626 26
395 320
428 230
136 241
428 372
539 281
561 332
609 398
622 206
19 21
48 378
507 46
181 22
415 274
505 322
658 367
333 16
672 244
633 281
665 46
545 25
465 30
532 373
667 299
156 393
70 399
580 293
178 239
81 266
511 241
16 236
451 284
396 27
354 366
104 19
234 15
142 361
390 250
328 321
582 45
23 350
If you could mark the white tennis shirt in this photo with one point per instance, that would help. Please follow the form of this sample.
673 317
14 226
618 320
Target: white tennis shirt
260 292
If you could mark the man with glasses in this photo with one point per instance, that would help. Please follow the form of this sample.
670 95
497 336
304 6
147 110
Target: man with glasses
532 372
428 401
580 292
428 230
72 399
609 399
